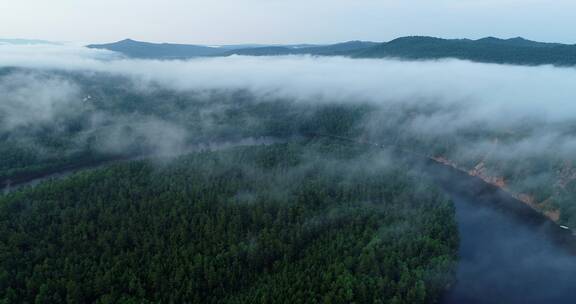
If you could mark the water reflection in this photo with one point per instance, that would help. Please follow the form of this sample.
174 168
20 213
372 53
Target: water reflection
509 259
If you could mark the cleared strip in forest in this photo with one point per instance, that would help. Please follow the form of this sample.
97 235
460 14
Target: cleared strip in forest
16 182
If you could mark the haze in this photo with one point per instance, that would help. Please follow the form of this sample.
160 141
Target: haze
297 21
466 94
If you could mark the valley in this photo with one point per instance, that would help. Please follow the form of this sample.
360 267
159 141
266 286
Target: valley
299 173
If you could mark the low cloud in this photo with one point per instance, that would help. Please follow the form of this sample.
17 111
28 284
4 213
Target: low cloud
487 91
445 98
29 98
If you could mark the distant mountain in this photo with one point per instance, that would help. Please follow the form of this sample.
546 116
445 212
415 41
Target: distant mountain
491 50
345 48
138 49
518 41
517 50
264 51
238 46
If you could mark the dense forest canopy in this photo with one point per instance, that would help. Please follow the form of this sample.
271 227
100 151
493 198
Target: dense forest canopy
304 222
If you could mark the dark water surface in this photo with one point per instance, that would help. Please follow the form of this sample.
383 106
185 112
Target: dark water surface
508 253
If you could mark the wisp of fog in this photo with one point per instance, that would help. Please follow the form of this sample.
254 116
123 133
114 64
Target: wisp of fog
468 94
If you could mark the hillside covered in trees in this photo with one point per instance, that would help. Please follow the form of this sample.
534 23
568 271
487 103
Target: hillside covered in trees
518 51
287 223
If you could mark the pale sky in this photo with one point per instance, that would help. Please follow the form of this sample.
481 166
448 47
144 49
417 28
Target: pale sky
284 21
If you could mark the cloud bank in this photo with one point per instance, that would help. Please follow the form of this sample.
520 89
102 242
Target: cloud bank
534 103
489 90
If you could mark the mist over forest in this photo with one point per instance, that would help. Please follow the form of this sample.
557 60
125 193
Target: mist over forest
463 111
250 149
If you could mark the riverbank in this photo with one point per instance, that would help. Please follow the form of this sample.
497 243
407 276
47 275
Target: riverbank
508 252
484 194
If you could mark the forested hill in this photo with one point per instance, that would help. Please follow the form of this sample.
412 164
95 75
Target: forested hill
490 50
139 49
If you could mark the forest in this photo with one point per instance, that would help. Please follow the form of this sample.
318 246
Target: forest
180 209
307 221
112 117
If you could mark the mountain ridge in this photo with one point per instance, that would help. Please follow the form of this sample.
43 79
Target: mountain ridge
516 50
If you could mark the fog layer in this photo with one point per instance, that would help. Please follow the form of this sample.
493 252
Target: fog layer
479 111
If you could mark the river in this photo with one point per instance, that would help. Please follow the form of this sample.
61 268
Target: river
508 253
